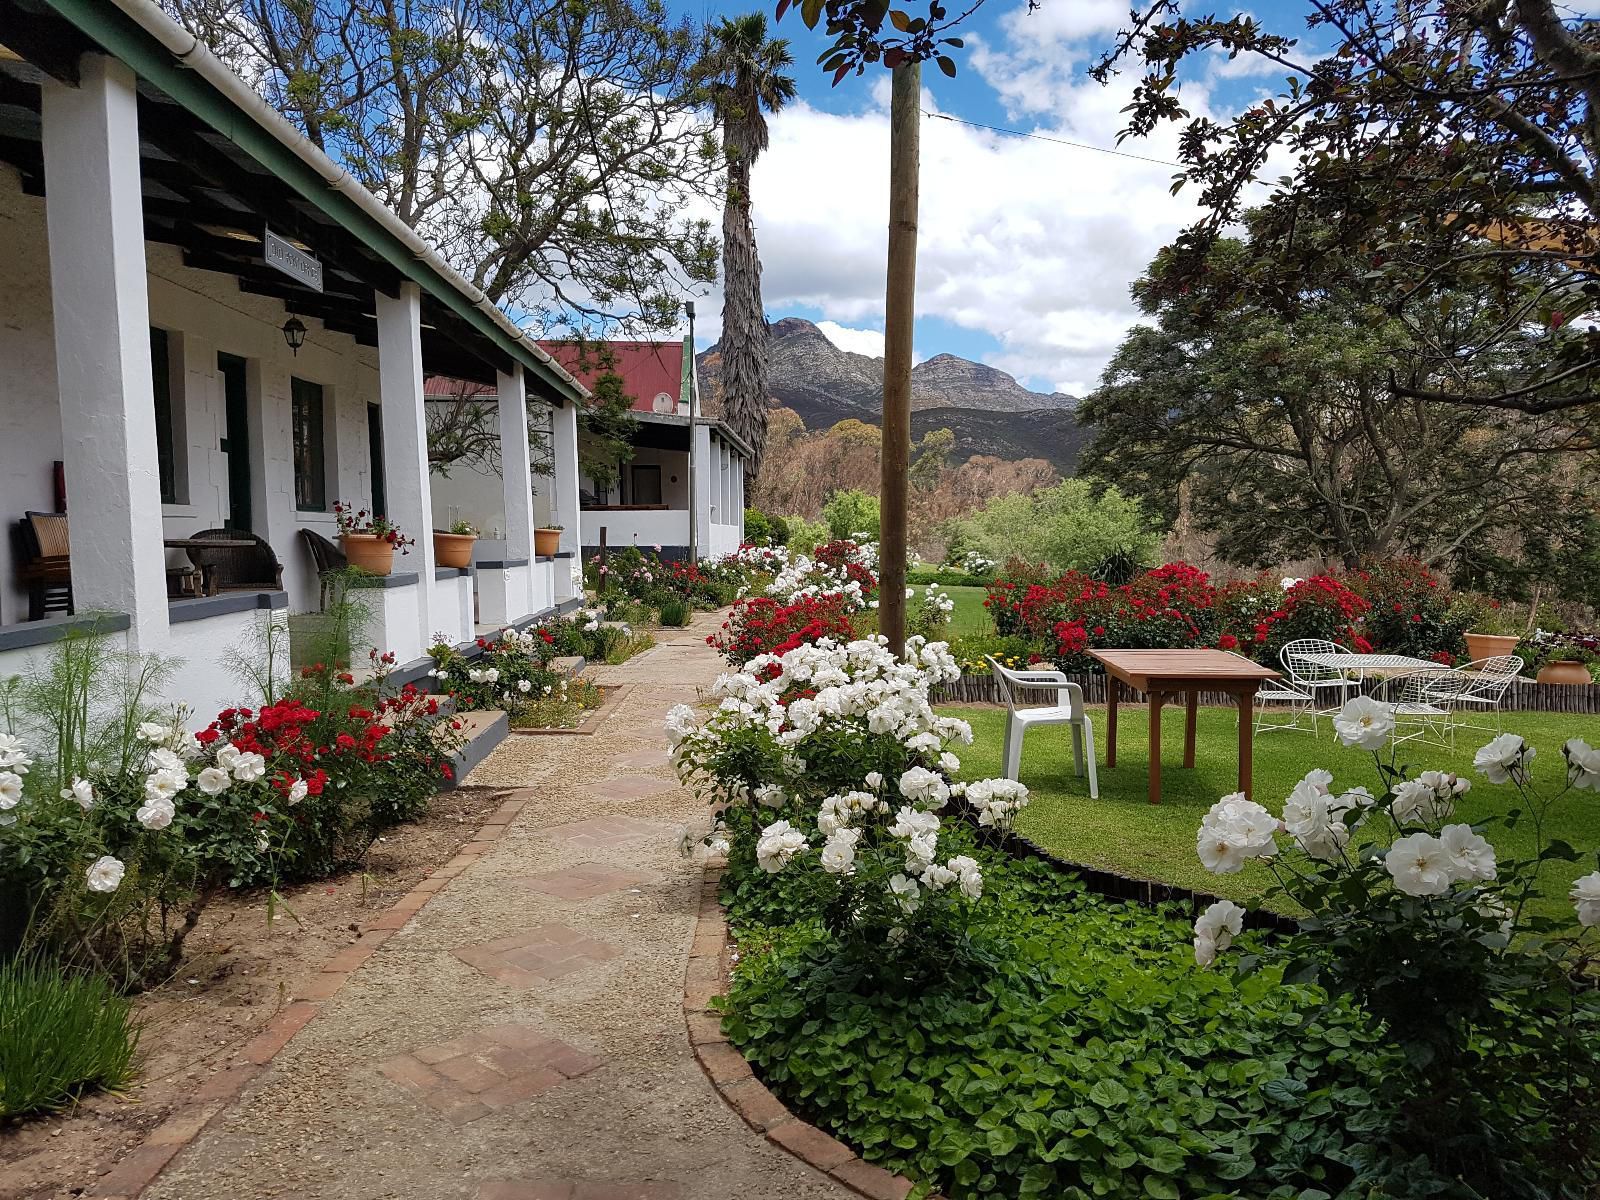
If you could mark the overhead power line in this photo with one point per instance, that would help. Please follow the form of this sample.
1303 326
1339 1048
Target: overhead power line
1040 137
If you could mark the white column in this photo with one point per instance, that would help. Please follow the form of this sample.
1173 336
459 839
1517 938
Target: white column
405 442
564 497
506 594
516 467
102 332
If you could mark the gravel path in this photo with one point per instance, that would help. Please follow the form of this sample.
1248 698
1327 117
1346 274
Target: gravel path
522 1038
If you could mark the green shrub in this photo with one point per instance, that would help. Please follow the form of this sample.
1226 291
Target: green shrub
944 577
757 528
852 514
61 1035
675 612
805 536
1069 526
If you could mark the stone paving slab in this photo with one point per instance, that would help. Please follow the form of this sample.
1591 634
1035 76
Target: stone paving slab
605 1101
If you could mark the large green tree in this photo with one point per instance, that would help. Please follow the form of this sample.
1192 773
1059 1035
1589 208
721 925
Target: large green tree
553 150
1458 145
746 79
1264 394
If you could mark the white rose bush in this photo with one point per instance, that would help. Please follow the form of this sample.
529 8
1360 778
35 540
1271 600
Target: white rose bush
1407 910
835 776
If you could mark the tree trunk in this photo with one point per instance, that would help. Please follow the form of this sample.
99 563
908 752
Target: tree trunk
899 312
744 322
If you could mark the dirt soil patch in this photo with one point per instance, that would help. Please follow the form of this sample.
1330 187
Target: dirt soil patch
239 969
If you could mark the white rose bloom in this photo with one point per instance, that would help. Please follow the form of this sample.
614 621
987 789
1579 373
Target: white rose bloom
925 787
105 874
968 874
949 763
1215 930
936 878
1364 723
150 731
1419 865
1471 857
1315 820
249 767
164 784
227 755
1504 760
1583 764
80 792
10 790
839 852
162 759
262 844
1319 778
213 781
680 722
909 823
492 675
1234 830
155 813
779 843
297 792
907 893
1586 896
718 843
770 795
1419 801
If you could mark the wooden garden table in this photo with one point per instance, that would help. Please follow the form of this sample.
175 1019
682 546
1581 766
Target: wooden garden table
1161 674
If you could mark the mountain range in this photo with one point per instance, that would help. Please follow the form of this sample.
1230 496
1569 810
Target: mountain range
988 411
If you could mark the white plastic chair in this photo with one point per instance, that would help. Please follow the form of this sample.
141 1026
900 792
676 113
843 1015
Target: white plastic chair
1314 678
1018 720
1482 685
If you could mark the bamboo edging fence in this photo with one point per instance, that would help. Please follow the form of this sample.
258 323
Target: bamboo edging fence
1525 695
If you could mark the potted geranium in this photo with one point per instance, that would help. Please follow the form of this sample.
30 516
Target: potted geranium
453 547
369 541
546 540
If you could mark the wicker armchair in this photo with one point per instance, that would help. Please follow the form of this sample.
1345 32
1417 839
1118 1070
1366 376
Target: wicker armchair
253 568
44 564
327 558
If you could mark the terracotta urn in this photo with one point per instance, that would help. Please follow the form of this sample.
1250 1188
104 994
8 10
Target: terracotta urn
1490 645
1565 672
369 552
453 549
546 542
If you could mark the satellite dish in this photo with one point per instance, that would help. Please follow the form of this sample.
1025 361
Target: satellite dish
664 403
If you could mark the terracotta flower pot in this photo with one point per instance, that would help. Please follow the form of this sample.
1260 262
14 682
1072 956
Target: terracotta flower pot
546 542
453 549
368 551
1490 645
1565 672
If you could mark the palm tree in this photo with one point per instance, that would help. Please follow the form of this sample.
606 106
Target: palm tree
745 79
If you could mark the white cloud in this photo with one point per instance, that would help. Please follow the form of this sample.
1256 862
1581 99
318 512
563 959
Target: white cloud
856 341
1031 242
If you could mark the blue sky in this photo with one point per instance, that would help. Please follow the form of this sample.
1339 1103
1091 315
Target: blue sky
1027 247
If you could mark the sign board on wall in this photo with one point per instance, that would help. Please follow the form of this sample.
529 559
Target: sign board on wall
294 262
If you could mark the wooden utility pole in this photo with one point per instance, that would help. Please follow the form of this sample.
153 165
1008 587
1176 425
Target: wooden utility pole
905 119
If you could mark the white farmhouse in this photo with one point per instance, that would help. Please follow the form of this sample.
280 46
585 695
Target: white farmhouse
207 327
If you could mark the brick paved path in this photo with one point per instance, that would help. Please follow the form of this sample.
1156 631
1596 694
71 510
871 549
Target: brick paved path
521 1037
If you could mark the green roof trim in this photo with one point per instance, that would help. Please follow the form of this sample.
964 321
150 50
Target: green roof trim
124 38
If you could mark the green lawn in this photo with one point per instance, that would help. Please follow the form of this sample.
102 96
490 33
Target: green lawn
969 618
1121 831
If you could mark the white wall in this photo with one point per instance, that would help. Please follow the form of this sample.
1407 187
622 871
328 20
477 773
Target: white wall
656 527
204 313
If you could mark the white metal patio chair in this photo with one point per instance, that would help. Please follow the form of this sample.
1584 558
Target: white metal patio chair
1481 687
1300 706
1424 705
1318 679
1073 713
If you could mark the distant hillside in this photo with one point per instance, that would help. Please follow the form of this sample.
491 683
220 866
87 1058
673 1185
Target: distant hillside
987 410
